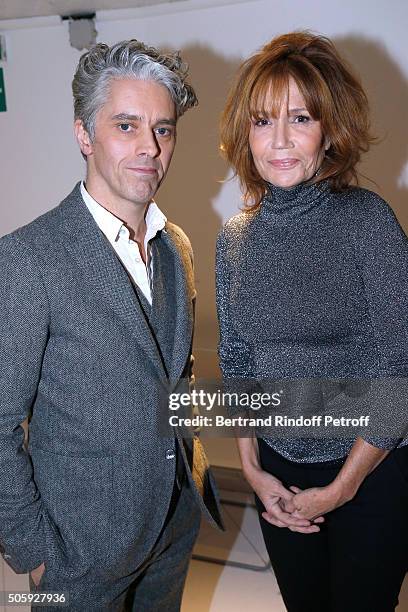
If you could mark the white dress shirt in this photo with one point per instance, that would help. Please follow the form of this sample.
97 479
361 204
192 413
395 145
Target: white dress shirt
126 249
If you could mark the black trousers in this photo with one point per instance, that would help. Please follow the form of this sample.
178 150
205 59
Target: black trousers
358 560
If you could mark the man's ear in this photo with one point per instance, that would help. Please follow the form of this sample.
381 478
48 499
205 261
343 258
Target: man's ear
83 138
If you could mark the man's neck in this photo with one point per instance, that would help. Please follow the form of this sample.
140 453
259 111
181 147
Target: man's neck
131 213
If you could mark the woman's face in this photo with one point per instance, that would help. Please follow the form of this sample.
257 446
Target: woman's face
289 149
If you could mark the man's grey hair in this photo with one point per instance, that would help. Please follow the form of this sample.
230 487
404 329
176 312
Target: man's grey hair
127 59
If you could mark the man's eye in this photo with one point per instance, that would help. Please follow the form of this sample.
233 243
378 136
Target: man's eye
124 127
163 131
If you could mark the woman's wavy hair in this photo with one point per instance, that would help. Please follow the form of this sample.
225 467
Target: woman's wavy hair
333 95
127 59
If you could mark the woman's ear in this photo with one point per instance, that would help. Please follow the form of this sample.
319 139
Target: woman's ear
327 144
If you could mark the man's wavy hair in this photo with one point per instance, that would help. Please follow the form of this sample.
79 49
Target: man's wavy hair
333 96
127 59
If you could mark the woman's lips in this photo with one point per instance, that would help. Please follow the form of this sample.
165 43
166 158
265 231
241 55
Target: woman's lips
284 164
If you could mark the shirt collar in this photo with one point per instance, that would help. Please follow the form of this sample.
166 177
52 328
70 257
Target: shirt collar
111 225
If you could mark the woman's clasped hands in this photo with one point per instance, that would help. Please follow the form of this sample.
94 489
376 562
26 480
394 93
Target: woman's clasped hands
284 507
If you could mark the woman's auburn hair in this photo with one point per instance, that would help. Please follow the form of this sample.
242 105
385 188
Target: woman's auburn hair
332 94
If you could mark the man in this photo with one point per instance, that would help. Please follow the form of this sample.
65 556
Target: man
97 298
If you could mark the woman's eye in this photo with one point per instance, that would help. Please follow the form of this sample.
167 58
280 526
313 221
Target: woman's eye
261 122
301 119
124 127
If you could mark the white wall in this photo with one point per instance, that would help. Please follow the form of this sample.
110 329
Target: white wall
40 162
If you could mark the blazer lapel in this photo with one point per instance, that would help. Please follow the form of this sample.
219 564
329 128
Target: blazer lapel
185 293
103 271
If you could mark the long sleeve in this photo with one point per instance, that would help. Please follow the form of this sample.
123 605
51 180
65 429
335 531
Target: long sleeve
233 351
23 339
382 249
382 255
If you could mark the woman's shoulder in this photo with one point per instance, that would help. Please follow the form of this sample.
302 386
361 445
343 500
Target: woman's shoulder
366 216
236 226
365 203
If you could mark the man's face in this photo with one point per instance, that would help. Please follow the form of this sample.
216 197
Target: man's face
135 135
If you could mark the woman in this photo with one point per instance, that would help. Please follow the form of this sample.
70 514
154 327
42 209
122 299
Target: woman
312 283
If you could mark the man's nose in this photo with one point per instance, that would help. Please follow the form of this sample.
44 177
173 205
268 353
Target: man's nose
147 144
281 134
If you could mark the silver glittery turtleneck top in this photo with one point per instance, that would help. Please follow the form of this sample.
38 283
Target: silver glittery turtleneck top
314 285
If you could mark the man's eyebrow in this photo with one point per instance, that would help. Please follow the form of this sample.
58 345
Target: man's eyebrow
166 121
127 117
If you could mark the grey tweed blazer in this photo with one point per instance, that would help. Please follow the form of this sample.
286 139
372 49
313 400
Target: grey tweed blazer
79 359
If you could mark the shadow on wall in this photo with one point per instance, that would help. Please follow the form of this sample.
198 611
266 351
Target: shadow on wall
194 181
387 90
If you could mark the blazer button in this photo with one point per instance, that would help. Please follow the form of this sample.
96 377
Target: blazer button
170 454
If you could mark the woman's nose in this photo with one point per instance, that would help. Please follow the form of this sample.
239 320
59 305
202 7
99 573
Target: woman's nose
280 136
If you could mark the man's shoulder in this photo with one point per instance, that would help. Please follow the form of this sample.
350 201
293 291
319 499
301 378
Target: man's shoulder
179 237
42 229
183 246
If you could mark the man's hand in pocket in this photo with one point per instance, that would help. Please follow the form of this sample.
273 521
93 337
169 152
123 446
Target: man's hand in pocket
36 574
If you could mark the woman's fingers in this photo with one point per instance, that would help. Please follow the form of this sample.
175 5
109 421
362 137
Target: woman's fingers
319 519
275 512
311 529
272 520
277 500
284 493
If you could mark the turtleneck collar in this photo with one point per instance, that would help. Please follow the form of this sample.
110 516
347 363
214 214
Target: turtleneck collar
293 202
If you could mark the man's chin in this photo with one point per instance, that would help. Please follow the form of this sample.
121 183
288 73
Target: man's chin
141 196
